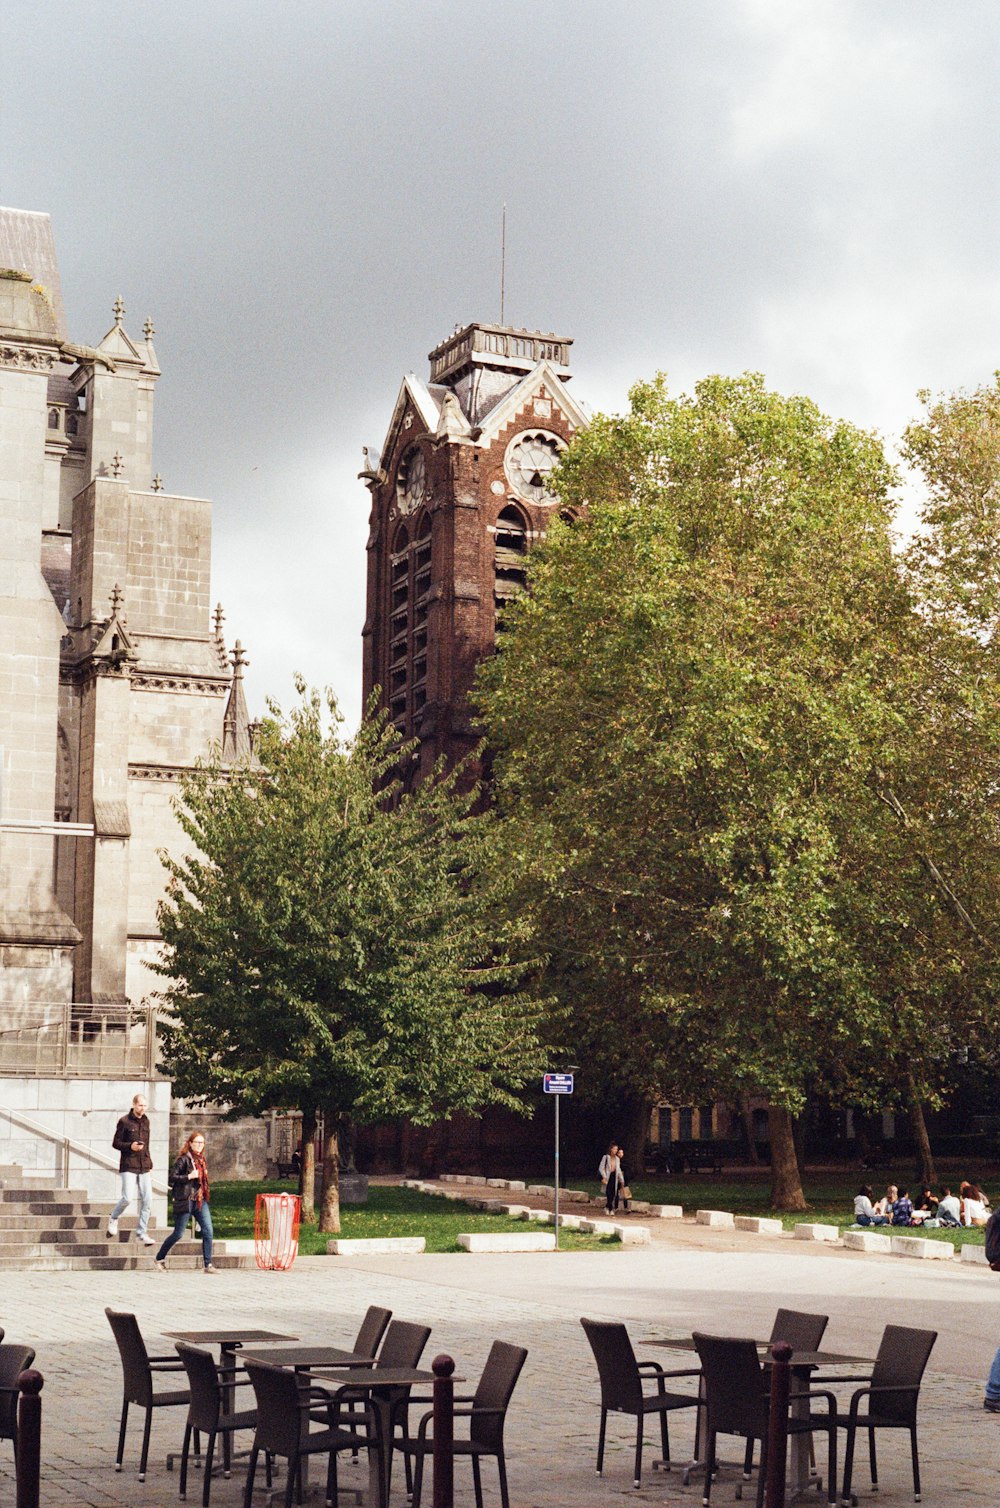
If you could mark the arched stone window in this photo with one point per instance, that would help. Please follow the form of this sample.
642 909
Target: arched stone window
509 558
399 624
53 418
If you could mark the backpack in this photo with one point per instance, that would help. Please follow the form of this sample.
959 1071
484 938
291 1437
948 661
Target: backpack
993 1241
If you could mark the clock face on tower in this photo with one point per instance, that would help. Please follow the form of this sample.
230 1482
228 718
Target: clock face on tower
411 483
529 462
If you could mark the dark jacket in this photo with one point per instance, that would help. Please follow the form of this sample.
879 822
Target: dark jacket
129 1129
185 1183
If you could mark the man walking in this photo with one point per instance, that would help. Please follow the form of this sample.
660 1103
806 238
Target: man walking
132 1142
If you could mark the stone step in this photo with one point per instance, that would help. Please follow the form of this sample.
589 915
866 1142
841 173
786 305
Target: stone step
33 1247
116 1264
42 1193
30 1220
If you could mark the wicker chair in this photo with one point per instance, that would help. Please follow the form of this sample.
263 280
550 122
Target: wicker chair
893 1391
285 1403
137 1376
373 1327
737 1402
209 1414
487 1413
803 1332
403 1346
621 1378
13 1361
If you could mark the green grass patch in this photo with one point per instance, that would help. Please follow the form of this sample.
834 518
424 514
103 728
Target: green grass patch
830 1197
390 1211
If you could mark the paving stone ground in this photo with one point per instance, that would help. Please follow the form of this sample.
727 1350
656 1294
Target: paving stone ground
687 1280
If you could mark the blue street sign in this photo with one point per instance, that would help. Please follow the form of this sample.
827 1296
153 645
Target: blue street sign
558 1083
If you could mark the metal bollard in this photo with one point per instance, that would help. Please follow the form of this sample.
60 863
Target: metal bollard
777 1425
444 1432
29 1438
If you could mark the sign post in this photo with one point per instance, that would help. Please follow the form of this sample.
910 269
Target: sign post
557 1084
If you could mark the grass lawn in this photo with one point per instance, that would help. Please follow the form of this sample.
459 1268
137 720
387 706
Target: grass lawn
830 1196
390 1211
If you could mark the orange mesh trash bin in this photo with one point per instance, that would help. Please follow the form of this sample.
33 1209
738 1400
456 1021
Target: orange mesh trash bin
276 1231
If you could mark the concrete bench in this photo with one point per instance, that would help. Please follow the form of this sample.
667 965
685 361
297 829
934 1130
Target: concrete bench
719 1219
633 1235
598 1227
509 1241
666 1211
974 1254
760 1225
867 1240
809 1230
541 1190
920 1246
372 1246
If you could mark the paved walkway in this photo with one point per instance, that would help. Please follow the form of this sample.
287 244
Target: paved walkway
697 1279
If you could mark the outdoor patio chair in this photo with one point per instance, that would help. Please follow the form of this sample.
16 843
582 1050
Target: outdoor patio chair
402 1346
803 1332
622 1377
13 1361
892 1391
137 1377
373 1327
285 1403
210 1412
487 1414
737 1402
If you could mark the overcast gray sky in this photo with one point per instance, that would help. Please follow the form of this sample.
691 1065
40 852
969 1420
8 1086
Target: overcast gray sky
306 198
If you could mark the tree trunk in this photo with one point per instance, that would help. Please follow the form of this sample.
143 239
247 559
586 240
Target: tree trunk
786 1181
746 1116
636 1135
925 1157
307 1172
329 1221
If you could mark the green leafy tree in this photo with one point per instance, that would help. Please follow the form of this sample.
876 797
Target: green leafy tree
699 714
331 941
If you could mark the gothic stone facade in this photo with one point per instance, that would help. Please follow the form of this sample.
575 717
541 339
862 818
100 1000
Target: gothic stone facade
113 679
458 497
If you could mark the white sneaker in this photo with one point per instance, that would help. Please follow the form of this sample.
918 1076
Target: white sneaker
112 1227
146 1240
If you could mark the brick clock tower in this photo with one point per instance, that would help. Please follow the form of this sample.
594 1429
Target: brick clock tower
459 496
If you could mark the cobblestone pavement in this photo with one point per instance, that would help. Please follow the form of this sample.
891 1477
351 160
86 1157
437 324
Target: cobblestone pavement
535 1301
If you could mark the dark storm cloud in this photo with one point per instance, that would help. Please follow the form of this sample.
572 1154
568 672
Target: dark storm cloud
308 198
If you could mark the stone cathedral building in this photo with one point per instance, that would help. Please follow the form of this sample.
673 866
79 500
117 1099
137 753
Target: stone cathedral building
114 678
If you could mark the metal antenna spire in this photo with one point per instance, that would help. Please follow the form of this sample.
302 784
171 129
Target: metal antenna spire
503 258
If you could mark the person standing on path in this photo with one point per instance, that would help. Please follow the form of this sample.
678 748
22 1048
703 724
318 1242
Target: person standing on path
131 1141
189 1180
612 1176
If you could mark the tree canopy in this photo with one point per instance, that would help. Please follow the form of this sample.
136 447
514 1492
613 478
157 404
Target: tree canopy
332 942
703 712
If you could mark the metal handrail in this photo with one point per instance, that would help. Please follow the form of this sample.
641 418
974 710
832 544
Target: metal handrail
67 1144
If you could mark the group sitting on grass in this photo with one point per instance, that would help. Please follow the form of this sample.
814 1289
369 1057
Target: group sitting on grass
970 1207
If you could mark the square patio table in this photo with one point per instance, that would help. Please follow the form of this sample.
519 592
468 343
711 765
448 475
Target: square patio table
305 1358
375 1381
229 1339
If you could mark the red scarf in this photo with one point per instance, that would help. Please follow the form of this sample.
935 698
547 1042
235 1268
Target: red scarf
198 1158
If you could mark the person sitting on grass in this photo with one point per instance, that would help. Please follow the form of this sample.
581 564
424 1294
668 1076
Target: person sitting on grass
925 1208
974 1211
949 1209
902 1210
864 1210
885 1204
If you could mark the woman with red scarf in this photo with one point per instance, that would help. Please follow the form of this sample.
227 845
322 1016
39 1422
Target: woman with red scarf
189 1180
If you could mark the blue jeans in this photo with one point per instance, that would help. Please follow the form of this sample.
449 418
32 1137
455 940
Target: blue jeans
993 1381
871 1220
204 1219
136 1186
